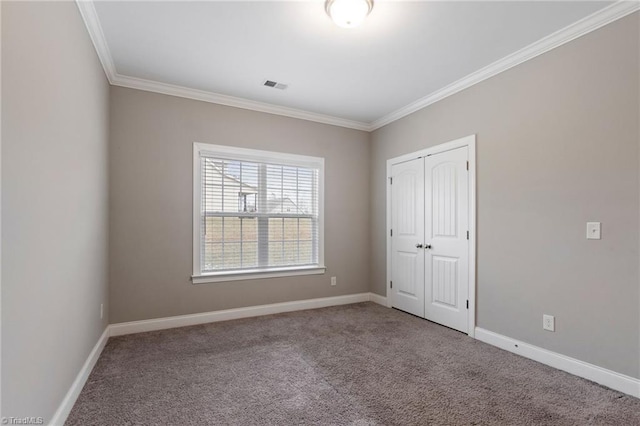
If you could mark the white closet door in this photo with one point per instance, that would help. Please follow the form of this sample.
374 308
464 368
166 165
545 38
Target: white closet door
407 224
446 243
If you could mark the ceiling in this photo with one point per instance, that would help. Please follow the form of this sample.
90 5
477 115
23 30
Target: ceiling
404 52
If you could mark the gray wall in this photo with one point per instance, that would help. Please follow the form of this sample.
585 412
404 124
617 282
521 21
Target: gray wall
557 146
151 177
54 199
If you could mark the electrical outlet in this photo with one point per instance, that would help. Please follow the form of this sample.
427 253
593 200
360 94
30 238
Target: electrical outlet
101 310
593 230
549 322
333 281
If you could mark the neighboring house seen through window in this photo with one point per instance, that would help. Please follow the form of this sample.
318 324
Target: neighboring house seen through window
256 213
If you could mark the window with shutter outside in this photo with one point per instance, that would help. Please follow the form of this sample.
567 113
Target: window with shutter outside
256 213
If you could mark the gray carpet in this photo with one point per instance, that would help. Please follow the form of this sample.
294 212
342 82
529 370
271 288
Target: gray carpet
358 364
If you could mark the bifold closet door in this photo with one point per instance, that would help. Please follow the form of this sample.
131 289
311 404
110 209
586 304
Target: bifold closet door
407 224
429 242
446 238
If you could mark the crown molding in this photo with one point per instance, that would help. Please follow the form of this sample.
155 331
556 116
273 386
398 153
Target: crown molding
91 21
216 98
586 25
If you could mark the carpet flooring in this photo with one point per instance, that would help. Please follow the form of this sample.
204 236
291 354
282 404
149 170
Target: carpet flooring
359 364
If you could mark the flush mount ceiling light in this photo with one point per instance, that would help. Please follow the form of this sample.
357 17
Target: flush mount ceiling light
348 13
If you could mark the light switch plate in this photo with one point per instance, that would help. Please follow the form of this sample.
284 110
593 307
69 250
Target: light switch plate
593 230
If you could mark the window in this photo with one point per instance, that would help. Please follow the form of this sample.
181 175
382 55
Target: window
257 214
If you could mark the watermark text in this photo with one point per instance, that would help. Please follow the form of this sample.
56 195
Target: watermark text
22 420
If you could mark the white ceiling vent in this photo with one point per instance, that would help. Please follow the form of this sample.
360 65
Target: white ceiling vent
275 84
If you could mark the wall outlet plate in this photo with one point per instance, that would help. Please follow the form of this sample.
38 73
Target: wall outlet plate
333 281
593 230
548 322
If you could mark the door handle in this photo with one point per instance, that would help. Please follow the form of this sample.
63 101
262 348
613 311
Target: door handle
427 246
418 245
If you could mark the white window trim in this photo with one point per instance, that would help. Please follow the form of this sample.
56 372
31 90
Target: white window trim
260 156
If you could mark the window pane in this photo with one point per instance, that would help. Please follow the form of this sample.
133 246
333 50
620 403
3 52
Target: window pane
247 175
290 229
274 189
212 185
231 256
231 229
275 254
249 229
250 255
250 175
306 253
306 229
275 229
212 257
290 256
247 203
213 229
290 178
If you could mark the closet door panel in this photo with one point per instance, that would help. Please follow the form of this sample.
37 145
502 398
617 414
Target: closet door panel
446 244
407 224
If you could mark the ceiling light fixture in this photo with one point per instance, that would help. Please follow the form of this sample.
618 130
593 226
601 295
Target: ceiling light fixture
348 13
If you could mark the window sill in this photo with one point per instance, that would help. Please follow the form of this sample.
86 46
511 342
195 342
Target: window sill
256 274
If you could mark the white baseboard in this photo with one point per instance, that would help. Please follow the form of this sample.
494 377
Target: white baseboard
376 298
231 314
611 379
61 414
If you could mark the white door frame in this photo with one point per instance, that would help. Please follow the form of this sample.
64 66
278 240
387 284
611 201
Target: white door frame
470 142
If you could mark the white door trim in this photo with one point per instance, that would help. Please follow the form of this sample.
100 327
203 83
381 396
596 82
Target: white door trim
470 142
